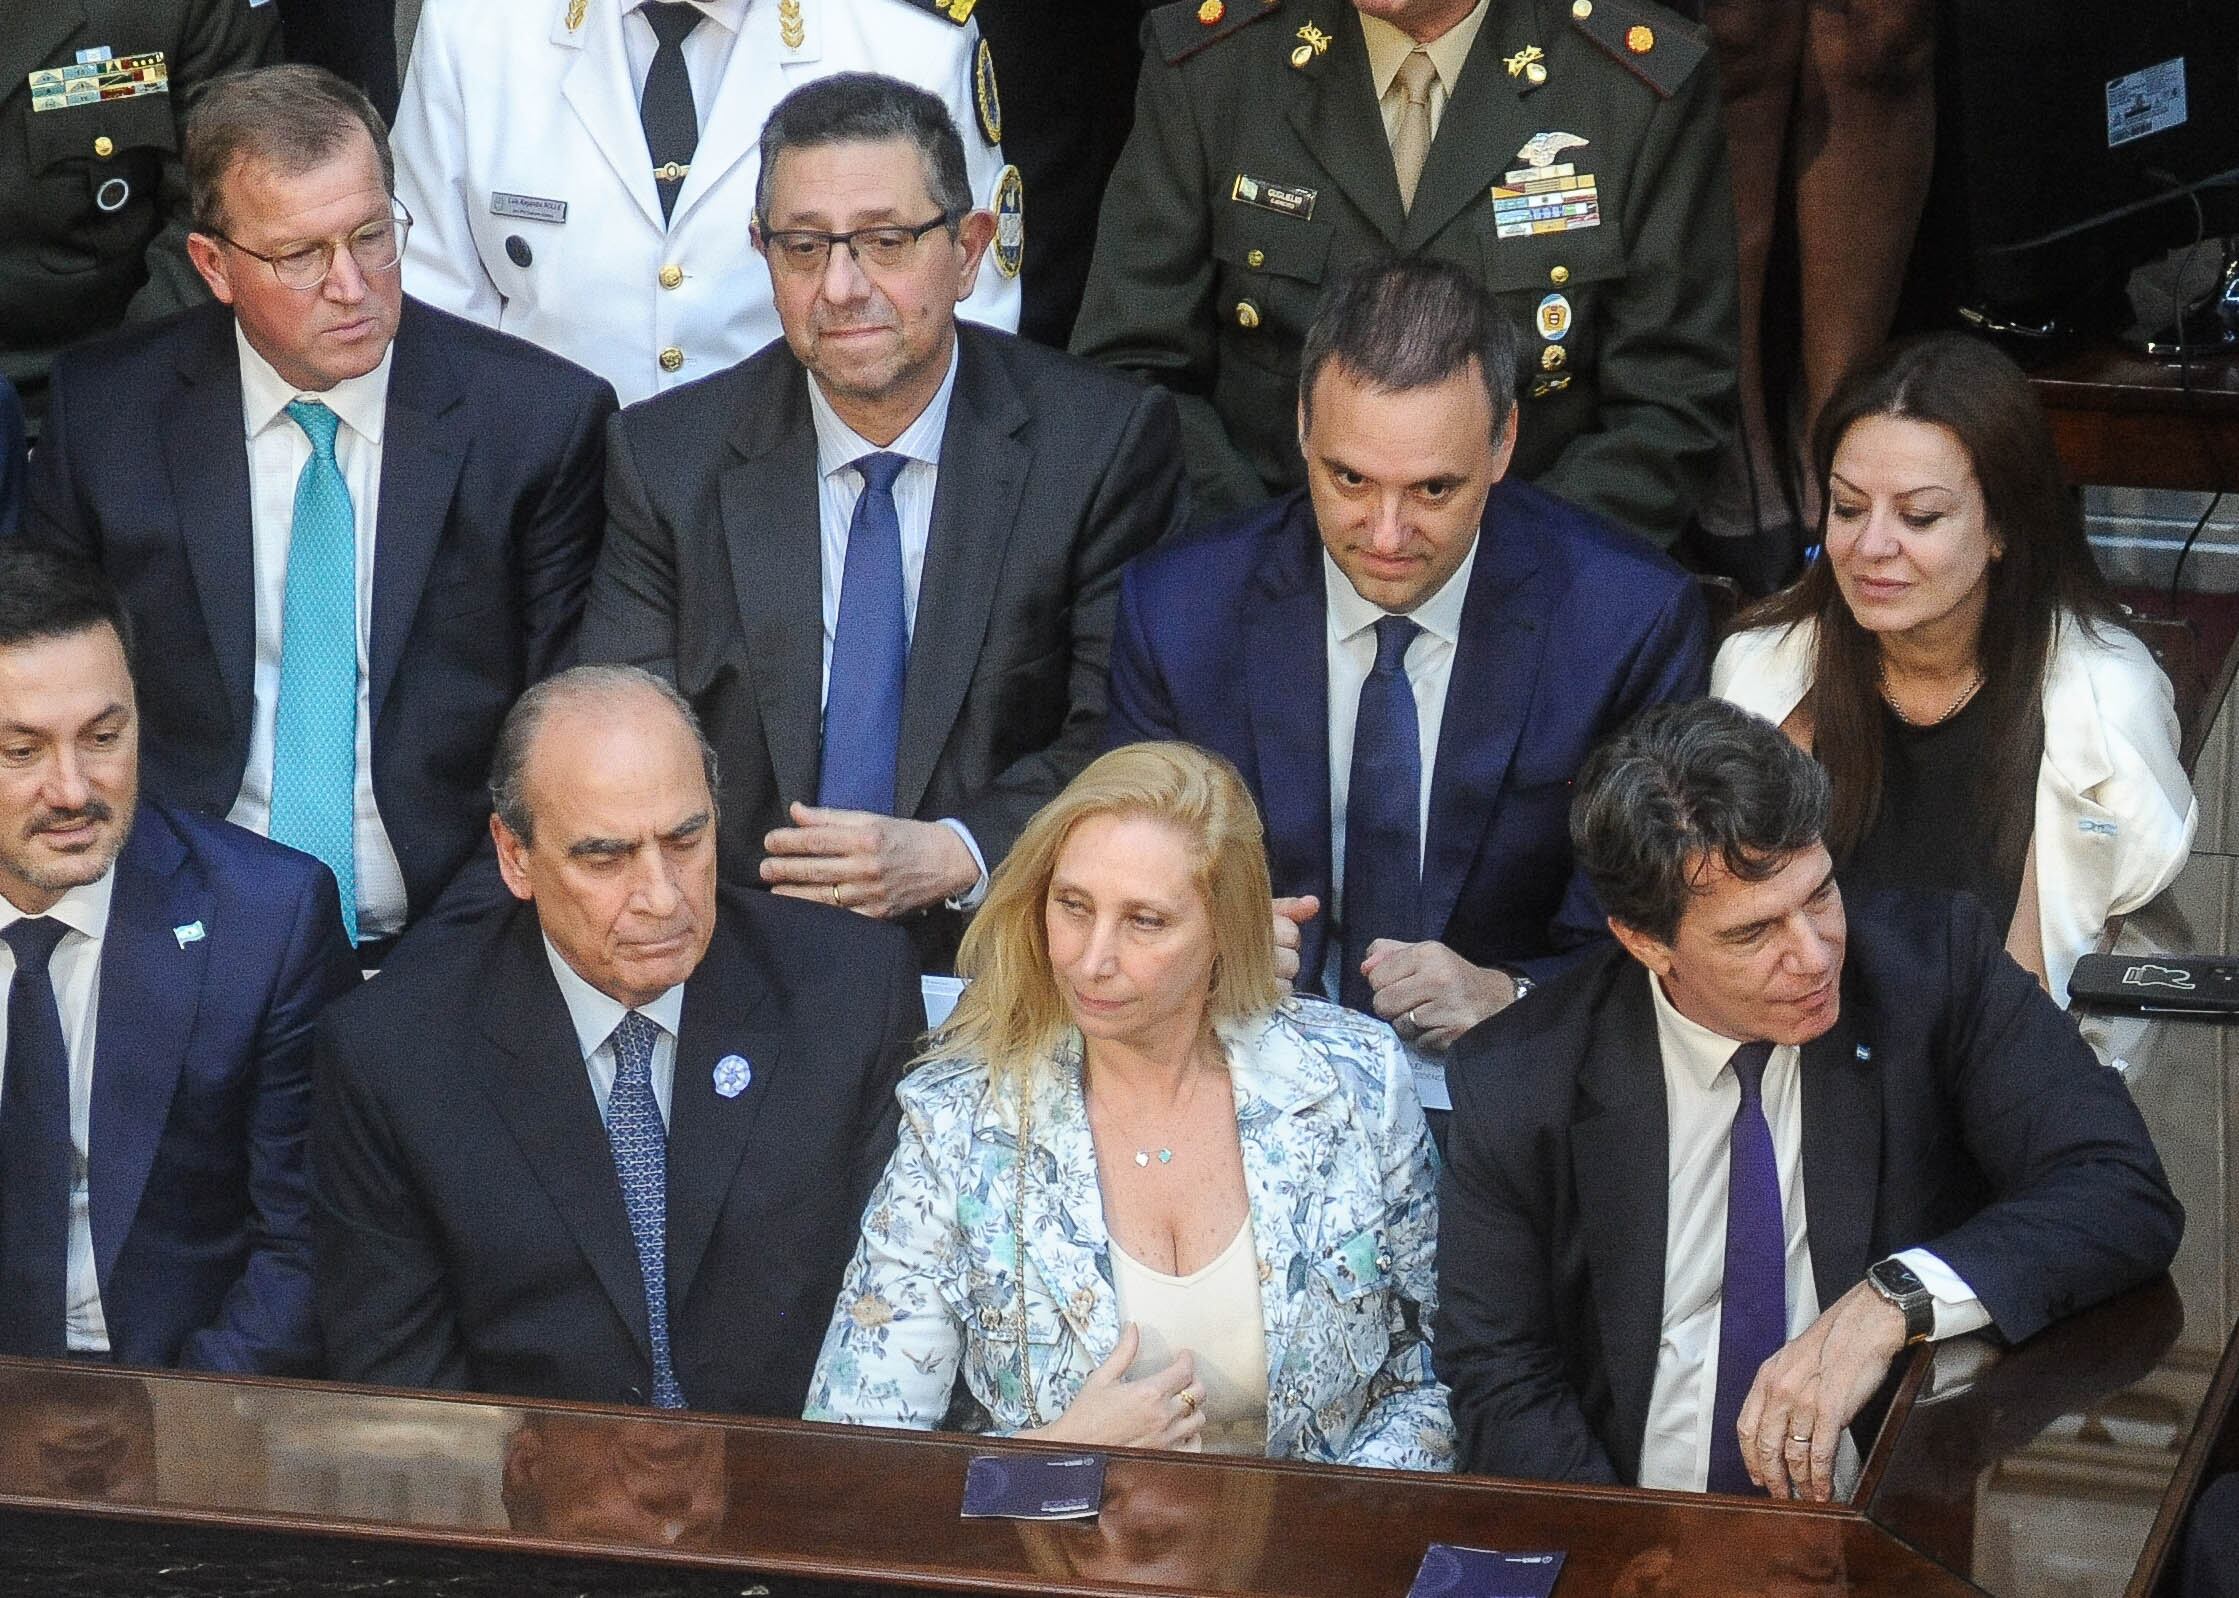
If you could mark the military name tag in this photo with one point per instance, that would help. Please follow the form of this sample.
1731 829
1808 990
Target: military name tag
1551 199
529 207
1272 196
93 82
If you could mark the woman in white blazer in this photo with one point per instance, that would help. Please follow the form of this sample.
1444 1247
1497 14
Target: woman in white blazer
1960 667
1220 1232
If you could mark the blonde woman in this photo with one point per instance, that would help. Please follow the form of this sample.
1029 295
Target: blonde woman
1140 1197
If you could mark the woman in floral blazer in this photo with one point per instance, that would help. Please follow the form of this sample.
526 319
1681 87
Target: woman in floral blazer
960 1239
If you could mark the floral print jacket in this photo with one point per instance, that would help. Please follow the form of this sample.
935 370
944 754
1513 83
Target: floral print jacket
1337 1166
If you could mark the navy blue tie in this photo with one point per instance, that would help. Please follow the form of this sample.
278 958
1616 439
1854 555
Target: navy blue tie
1383 859
36 1154
665 109
640 1140
870 651
1753 1312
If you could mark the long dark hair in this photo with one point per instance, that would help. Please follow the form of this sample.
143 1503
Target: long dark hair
2046 570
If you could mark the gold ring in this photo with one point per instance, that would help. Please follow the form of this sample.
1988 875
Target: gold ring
1189 1401
836 896
1805 1440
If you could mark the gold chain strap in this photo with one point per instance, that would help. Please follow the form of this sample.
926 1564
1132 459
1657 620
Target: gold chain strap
1018 1257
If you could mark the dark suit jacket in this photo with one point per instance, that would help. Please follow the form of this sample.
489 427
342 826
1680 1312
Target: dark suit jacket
487 529
1569 629
1053 473
11 459
470 1229
222 948
1952 1106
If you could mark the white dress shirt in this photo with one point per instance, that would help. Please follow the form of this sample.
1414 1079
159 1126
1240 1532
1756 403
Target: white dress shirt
1389 46
839 485
707 48
596 1015
1350 643
1701 1098
75 970
278 452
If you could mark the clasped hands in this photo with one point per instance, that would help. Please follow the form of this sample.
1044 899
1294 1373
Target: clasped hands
1430 994
1164 1408
1792 1421
875 865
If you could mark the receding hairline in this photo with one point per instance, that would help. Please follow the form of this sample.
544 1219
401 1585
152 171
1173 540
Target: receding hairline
579 704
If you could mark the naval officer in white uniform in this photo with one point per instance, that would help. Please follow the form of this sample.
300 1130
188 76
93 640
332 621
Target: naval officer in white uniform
524 154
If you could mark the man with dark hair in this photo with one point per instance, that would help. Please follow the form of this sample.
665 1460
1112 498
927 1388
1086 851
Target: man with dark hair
1408 659
356 527
614 1144
1570 158
1707 1186
92 96
162 975
880 556
585 172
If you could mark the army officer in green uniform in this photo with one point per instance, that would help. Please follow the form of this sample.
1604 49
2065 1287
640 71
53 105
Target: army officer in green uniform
93 199
1570 151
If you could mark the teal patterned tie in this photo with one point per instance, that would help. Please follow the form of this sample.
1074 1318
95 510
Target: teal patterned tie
315 733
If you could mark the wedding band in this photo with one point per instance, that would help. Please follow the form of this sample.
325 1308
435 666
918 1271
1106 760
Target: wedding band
1411 1021
836 896
1189 1401
1805 1439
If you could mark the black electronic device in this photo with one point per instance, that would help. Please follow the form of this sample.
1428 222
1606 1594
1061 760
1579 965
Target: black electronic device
2077 141
2178 984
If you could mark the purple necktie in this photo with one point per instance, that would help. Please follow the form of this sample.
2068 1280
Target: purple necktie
1753 1316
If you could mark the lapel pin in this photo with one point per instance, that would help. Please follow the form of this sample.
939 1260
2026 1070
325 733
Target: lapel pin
1865 1053
732 1074
190 933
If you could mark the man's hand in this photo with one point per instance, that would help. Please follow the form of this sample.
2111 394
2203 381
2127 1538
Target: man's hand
1811 1390
862 861
1291 916
1430 993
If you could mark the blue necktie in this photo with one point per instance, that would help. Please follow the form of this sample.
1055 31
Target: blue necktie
315 726
1383 863
640 1140
665 108
1753 1312
870 649
36 1154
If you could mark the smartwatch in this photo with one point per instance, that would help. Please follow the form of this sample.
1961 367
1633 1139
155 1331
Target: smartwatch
1894 1280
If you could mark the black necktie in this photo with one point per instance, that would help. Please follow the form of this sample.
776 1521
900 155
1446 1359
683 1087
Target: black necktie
36 1154
672 126
1383 862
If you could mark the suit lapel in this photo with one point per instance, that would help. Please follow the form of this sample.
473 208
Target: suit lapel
1460 168
1289 708
753 80
1338 118
151 990
208 465
1068 1248
420 464
1496 668
1841 1148
536 1082
728 1010
597 86
768 505
1622 1197
982 474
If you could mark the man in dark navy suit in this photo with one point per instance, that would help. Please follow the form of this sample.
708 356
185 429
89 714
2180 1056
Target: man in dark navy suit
351 527
163 972
1408 660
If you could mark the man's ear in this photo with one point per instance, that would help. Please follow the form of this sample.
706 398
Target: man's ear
208 257
513 864
1653 953
973 235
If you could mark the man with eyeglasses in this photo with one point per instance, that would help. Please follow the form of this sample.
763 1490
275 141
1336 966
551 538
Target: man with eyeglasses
349 528
880 556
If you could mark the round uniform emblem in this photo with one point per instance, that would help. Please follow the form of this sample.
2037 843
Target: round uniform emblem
1554 318
1010 221
984 98
1640 40
1211 12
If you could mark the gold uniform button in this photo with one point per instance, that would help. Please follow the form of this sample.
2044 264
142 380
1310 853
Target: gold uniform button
1256 258
1551 358
672 359
671 276
104 146
1247 315
1558 274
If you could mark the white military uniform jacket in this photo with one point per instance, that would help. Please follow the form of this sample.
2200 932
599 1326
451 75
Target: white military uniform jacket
521 157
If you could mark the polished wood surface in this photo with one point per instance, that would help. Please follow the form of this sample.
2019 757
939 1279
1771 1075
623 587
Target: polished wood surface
2129 421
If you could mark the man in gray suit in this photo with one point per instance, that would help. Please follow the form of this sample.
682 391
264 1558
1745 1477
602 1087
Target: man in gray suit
881 555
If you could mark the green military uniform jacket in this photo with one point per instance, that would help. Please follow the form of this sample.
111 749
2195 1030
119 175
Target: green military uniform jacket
1259 166
93 194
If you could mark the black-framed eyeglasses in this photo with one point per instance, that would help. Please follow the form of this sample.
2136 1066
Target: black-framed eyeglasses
375 247
805 252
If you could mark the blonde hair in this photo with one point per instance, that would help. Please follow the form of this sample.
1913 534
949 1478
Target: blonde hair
1011 1014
